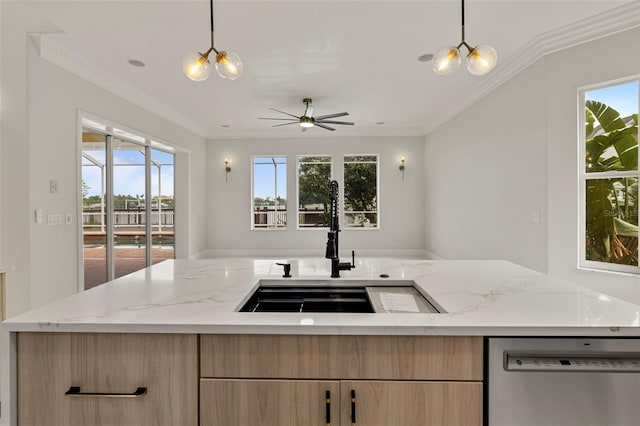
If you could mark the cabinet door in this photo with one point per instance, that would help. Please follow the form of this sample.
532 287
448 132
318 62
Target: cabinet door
380 403
111 365
269 402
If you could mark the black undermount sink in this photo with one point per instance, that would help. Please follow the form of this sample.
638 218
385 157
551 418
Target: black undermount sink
308 299
351 296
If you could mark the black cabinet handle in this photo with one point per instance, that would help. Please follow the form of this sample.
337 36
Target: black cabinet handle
74 391
327 404
353 407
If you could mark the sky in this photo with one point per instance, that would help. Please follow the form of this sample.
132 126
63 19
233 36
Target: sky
621 97
129 180
264 177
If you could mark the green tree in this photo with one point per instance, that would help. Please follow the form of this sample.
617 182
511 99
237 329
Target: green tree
313 181
611 203
85 192
360 189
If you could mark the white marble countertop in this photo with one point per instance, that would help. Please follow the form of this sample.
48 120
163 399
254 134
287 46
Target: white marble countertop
202 296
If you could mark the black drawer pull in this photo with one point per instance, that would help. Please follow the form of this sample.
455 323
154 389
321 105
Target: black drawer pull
75 392
353 407
327 402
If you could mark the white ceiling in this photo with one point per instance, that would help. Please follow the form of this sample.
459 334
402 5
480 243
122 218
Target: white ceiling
355 56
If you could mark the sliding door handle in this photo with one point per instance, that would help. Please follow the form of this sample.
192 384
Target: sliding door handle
74 391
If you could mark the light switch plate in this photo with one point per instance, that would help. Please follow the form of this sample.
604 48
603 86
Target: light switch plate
54 219
68 218
53 186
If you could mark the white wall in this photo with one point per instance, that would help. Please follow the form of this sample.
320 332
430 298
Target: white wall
39 143
515 151
229 204
486 174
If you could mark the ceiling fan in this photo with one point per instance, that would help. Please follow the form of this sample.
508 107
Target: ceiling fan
307 119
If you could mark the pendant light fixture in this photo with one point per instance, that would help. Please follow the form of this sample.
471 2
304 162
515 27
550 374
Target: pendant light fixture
197 67
480 59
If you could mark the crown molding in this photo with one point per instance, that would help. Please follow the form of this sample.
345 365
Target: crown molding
319 133
55 53
622 18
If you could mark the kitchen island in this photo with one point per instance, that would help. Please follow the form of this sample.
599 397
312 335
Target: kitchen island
184 314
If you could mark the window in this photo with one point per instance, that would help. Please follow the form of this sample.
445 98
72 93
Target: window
361 191
314 176
609 178
269 200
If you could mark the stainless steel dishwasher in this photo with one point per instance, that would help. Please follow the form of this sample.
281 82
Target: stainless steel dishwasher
563 382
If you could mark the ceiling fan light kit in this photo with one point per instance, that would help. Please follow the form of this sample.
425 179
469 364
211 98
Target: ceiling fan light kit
307 120
197 67
480 59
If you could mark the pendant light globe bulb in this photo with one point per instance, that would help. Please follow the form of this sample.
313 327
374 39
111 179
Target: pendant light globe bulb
196 66
482 59
446 60
228 65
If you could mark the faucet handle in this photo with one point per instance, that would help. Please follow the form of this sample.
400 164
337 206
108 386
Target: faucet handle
287 269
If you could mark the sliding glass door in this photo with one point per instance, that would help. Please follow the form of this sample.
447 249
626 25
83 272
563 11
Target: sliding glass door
127 202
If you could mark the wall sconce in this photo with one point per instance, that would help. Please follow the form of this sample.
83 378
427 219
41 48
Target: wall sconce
227 169
401 168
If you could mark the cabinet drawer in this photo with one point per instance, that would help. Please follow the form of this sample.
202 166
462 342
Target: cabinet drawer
380 403
269 402
341 357
107 364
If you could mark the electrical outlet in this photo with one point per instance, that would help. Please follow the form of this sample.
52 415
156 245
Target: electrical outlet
54 219
53 186
535 216
68 218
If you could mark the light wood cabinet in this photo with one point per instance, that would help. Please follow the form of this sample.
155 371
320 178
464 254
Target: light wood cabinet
397 380
384 403
342 357
111 365
242 380
269 402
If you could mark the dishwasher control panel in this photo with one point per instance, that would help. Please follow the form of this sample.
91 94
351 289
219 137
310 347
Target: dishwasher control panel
568 363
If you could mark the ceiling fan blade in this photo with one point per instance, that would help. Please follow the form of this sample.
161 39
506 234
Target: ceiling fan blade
308 112
291 115
338 114
284 119
285 124
350 123
323 126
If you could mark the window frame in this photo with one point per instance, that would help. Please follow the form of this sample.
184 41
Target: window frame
252 195
343 210
583 177
331 177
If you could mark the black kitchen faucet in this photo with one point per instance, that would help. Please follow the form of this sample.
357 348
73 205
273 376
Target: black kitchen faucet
333 247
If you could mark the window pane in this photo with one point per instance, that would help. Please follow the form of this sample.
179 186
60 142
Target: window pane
94 220
162 211
269 192
129 212
361 191
612 220
314 175
611 128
